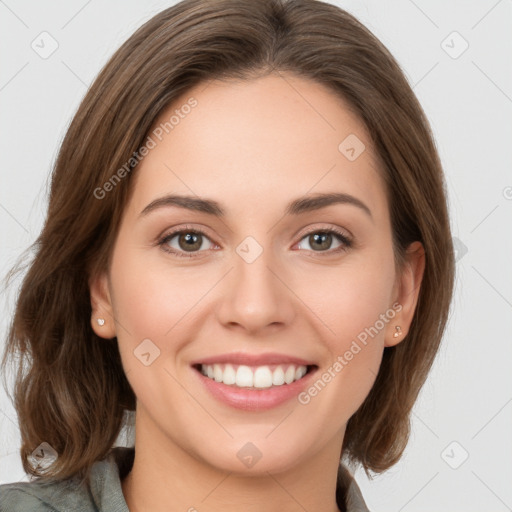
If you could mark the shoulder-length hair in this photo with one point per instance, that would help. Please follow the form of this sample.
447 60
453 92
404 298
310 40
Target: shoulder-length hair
70 388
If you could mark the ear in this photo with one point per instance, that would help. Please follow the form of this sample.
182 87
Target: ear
407 289
101 305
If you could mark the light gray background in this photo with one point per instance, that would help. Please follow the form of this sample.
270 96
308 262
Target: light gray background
468 99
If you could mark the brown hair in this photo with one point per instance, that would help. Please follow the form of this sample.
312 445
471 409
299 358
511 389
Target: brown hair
70 387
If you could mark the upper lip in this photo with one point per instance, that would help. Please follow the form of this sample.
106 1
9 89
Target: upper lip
253 359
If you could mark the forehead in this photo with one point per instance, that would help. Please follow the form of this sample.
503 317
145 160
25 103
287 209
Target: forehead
259 142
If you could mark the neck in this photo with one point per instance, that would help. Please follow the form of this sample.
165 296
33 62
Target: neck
164 473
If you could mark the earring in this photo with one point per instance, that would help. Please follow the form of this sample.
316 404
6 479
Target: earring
101 321
398 331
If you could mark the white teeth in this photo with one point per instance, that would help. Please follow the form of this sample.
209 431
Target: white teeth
278 376
262 377
289 376
217 373
258 377
229 376
300 372
244 377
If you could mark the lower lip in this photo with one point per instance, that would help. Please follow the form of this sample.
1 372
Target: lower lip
257 399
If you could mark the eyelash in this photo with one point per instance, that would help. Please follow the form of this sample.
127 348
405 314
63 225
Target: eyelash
162 242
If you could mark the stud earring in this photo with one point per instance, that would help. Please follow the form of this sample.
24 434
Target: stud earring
101 321
398 331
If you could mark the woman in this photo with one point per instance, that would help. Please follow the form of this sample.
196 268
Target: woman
247 244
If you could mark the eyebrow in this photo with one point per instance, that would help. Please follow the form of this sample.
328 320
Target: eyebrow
295 207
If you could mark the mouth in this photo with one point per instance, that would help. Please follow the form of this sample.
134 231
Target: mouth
255 377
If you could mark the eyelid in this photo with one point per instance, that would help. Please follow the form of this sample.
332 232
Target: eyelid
180 228
323 227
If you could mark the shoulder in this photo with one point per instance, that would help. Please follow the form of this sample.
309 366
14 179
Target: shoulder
104 492
38 496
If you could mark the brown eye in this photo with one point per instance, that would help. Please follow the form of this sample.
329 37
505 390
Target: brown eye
322 240
190 241
185 241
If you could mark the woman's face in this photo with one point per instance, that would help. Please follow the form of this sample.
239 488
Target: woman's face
267 277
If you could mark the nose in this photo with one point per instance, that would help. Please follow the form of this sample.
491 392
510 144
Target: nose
255 295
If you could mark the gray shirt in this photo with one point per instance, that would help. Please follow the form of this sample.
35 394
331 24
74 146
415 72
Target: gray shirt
105 493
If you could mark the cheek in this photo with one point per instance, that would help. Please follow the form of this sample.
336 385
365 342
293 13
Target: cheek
151 298
356 309
350 298
353 303
159 303
152 305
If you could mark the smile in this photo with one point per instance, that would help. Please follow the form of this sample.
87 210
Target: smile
254 377
254 388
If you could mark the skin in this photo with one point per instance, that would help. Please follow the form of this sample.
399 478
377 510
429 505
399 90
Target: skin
252 146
